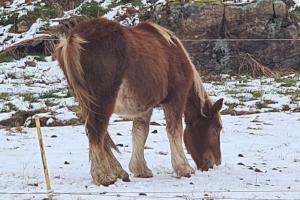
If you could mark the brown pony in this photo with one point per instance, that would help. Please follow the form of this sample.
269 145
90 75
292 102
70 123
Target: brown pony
129 71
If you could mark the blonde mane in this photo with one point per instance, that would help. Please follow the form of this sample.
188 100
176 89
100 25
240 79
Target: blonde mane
172 39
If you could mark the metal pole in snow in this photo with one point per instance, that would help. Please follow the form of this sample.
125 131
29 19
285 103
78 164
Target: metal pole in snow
43 156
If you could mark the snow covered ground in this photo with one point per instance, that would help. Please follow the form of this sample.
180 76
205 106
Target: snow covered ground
260 160
261 153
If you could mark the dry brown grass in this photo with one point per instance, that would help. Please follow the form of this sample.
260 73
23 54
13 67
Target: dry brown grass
250 66
43 43
284 71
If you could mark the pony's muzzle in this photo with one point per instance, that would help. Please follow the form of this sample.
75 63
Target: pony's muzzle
209 161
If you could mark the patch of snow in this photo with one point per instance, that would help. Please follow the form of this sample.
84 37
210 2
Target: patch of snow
65 114
267 169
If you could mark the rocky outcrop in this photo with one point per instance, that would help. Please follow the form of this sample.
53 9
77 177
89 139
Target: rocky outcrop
213 33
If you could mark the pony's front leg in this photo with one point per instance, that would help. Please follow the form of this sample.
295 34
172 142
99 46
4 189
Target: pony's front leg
175 130
140 131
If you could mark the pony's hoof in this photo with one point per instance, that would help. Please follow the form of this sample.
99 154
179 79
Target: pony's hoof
125 177
144 174
141 172
186 171
105 181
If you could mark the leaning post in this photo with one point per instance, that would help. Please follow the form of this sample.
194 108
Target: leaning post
43 156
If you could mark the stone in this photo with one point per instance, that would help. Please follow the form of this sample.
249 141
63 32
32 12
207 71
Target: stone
202 26
280 9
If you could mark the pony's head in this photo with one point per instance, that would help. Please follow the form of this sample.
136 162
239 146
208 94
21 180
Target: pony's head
202 135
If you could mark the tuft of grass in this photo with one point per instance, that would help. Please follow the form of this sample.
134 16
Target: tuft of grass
40 57
256 93
286 82
260 105
123 2
75 108
50 103
44 11
49 94
11 75
4 95
264 104
136 3
295 95
30 97
6 19
92 9
208 1
229 91
269 101
11 107
6 58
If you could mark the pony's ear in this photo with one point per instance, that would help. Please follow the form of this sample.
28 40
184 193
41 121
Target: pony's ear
217 106
207 108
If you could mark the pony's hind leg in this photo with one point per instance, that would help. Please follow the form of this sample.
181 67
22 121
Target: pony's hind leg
119 171
105 169
101 171
175 130
140 131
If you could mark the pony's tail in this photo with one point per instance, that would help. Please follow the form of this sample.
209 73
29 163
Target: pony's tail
68 54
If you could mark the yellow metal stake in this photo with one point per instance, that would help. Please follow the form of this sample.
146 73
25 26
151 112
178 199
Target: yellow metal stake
43 156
